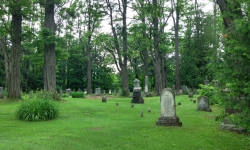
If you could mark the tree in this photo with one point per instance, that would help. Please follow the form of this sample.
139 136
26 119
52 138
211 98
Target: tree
121 49
49 47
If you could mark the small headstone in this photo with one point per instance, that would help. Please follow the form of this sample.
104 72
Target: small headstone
149 110
168 109
1 93
203 104
116 104
31 94
104 99
179 103
68 91
229 125
206 81
190 95
132 105
115 92
97 91
194 101
195 91
184 89
85 92
110 92
141 114
104 92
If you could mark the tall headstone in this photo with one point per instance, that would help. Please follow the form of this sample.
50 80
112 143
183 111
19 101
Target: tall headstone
146 90
137 98
110 92
168 109
31 94
203 104
1 93
60 93
115 92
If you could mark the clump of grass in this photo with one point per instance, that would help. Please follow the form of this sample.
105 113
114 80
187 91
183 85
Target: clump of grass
37 110
65 95
77 95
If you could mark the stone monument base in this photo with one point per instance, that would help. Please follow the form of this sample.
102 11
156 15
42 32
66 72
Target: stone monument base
168 121
138 100
205 109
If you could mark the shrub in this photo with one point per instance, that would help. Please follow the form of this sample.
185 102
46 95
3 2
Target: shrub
210 92
37 110
77 94
65 95
125 92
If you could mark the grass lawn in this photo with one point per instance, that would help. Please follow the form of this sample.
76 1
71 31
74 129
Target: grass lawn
89 124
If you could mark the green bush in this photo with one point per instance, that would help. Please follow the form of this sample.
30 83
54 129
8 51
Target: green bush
210 92
77 94
65 95
37 110
125 92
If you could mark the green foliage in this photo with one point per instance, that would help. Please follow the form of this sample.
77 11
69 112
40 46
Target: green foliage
43 95
125 92
210 92
65 95
37 110
77 94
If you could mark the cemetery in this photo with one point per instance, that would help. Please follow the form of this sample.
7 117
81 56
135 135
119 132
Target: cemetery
124 75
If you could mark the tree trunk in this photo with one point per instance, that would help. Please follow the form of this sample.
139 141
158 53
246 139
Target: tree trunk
89 66
158 68
6 63
49 49
14 90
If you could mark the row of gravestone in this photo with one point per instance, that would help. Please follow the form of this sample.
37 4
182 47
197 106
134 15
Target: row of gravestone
98 91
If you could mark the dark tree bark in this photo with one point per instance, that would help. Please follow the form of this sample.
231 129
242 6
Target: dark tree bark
49 49
176 41
158 59
14 89
122 55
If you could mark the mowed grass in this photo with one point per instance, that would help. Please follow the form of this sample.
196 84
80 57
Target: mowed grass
89 124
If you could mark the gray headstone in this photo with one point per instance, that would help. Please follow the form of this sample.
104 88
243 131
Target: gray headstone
168 109
137 98
104 92
31 94
146 90
1 93
195 91
206 81
97 91
203 104
115 92
68 91
110 92
104 99
60 93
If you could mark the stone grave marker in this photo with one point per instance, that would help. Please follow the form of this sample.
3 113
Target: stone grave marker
68 91
1 93
110 92
31 94
97 91
190 94
115 92
203 104
104 99
195 91
137 98
168 109
146 91
104 91
206 81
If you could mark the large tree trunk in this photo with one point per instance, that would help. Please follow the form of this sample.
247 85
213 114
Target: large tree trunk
14 90
6 63
89 66
49 49
158 68
124 66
